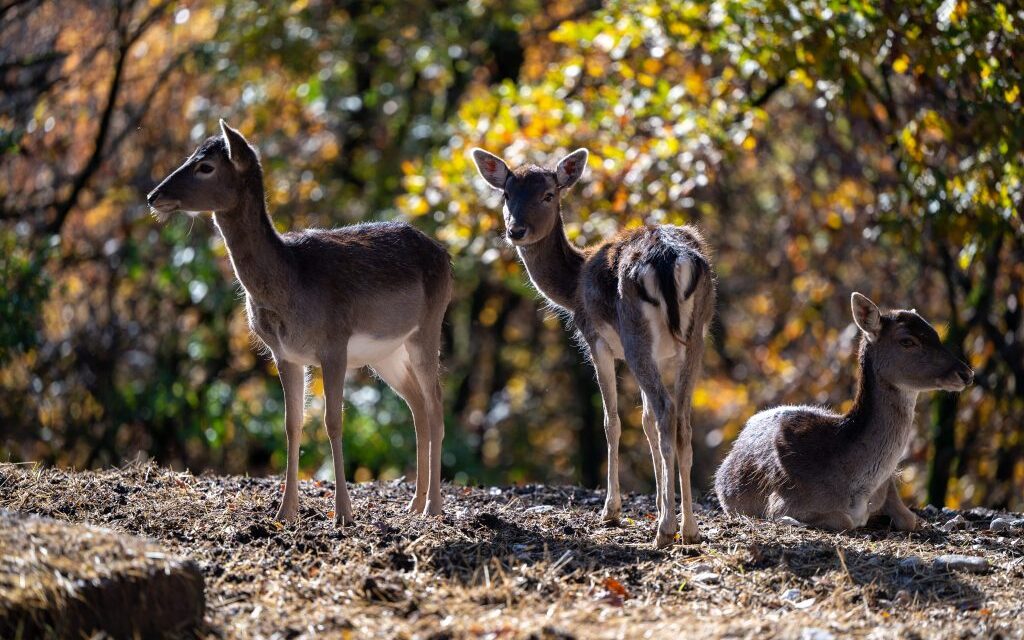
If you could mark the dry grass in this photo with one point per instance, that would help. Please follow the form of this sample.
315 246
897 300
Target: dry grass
64 580
497 566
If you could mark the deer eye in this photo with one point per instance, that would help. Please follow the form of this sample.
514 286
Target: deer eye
548 197
908 343
204 168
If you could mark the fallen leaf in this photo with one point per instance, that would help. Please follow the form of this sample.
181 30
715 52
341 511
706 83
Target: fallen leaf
616 587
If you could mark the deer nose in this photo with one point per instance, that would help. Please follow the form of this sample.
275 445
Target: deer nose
517 231
966 375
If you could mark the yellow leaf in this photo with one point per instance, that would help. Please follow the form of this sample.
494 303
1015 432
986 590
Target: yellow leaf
1012 93
901 64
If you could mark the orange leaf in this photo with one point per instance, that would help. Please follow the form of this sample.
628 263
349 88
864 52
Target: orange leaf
330 514
614 586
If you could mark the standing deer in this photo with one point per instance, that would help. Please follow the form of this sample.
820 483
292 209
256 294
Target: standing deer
645 297
836 471
370 294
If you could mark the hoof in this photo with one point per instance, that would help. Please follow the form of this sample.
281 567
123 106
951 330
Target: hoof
912 523
343 520
433 508
609 516
286 513
417 504
691 538
663 539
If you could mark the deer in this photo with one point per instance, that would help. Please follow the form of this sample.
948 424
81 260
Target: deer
644 296
371 294
835 471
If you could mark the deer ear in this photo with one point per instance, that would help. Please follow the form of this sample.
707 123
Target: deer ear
492 168
571 167
240 152
866 315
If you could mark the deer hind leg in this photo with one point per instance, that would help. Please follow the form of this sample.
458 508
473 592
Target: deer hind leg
686 377
334 369
397 371
604 365
636 345
293 381
651 431
426 365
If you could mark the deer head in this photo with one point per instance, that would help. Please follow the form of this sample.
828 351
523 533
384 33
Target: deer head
906 351
531 195
210 179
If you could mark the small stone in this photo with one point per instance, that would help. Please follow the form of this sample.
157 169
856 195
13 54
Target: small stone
814 633
954 524
793 522
957 562
790 595
911 564
494 491
540 508
701 567
1000 524
931 511
707 577
903 597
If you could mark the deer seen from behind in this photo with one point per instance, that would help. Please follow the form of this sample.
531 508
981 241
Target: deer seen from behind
835 471
645 296
370 294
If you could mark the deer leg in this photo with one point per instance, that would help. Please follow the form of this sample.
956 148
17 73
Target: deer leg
425 357
644 367
903 519
397 372
293 381
685 380
334 400
651 431
604 365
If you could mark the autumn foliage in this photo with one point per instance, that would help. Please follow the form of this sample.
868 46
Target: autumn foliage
823 147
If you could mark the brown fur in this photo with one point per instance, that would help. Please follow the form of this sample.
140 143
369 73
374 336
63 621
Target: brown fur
836 470
624 300
369 294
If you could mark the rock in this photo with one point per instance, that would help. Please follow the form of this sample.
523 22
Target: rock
911 564
1005 524
814 633
707 577
790 595
930 511
701 567
540 508
999 524
494 491
957 562
956 523
70 581
793 522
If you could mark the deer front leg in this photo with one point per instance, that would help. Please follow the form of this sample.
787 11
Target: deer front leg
334 399
604 365
293 381
903 519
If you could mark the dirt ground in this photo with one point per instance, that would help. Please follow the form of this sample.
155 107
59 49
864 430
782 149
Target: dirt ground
535 562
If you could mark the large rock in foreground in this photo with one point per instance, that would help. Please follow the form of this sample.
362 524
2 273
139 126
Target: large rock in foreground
70 581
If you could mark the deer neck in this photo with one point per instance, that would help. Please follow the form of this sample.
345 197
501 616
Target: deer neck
882 416
255 248
554 266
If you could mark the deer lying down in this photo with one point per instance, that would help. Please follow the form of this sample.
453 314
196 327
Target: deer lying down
835 471
645 297
371 294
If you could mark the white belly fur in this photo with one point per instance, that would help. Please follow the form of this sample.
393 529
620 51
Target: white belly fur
364 349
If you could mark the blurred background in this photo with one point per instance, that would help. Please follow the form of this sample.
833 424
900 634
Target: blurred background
822 147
